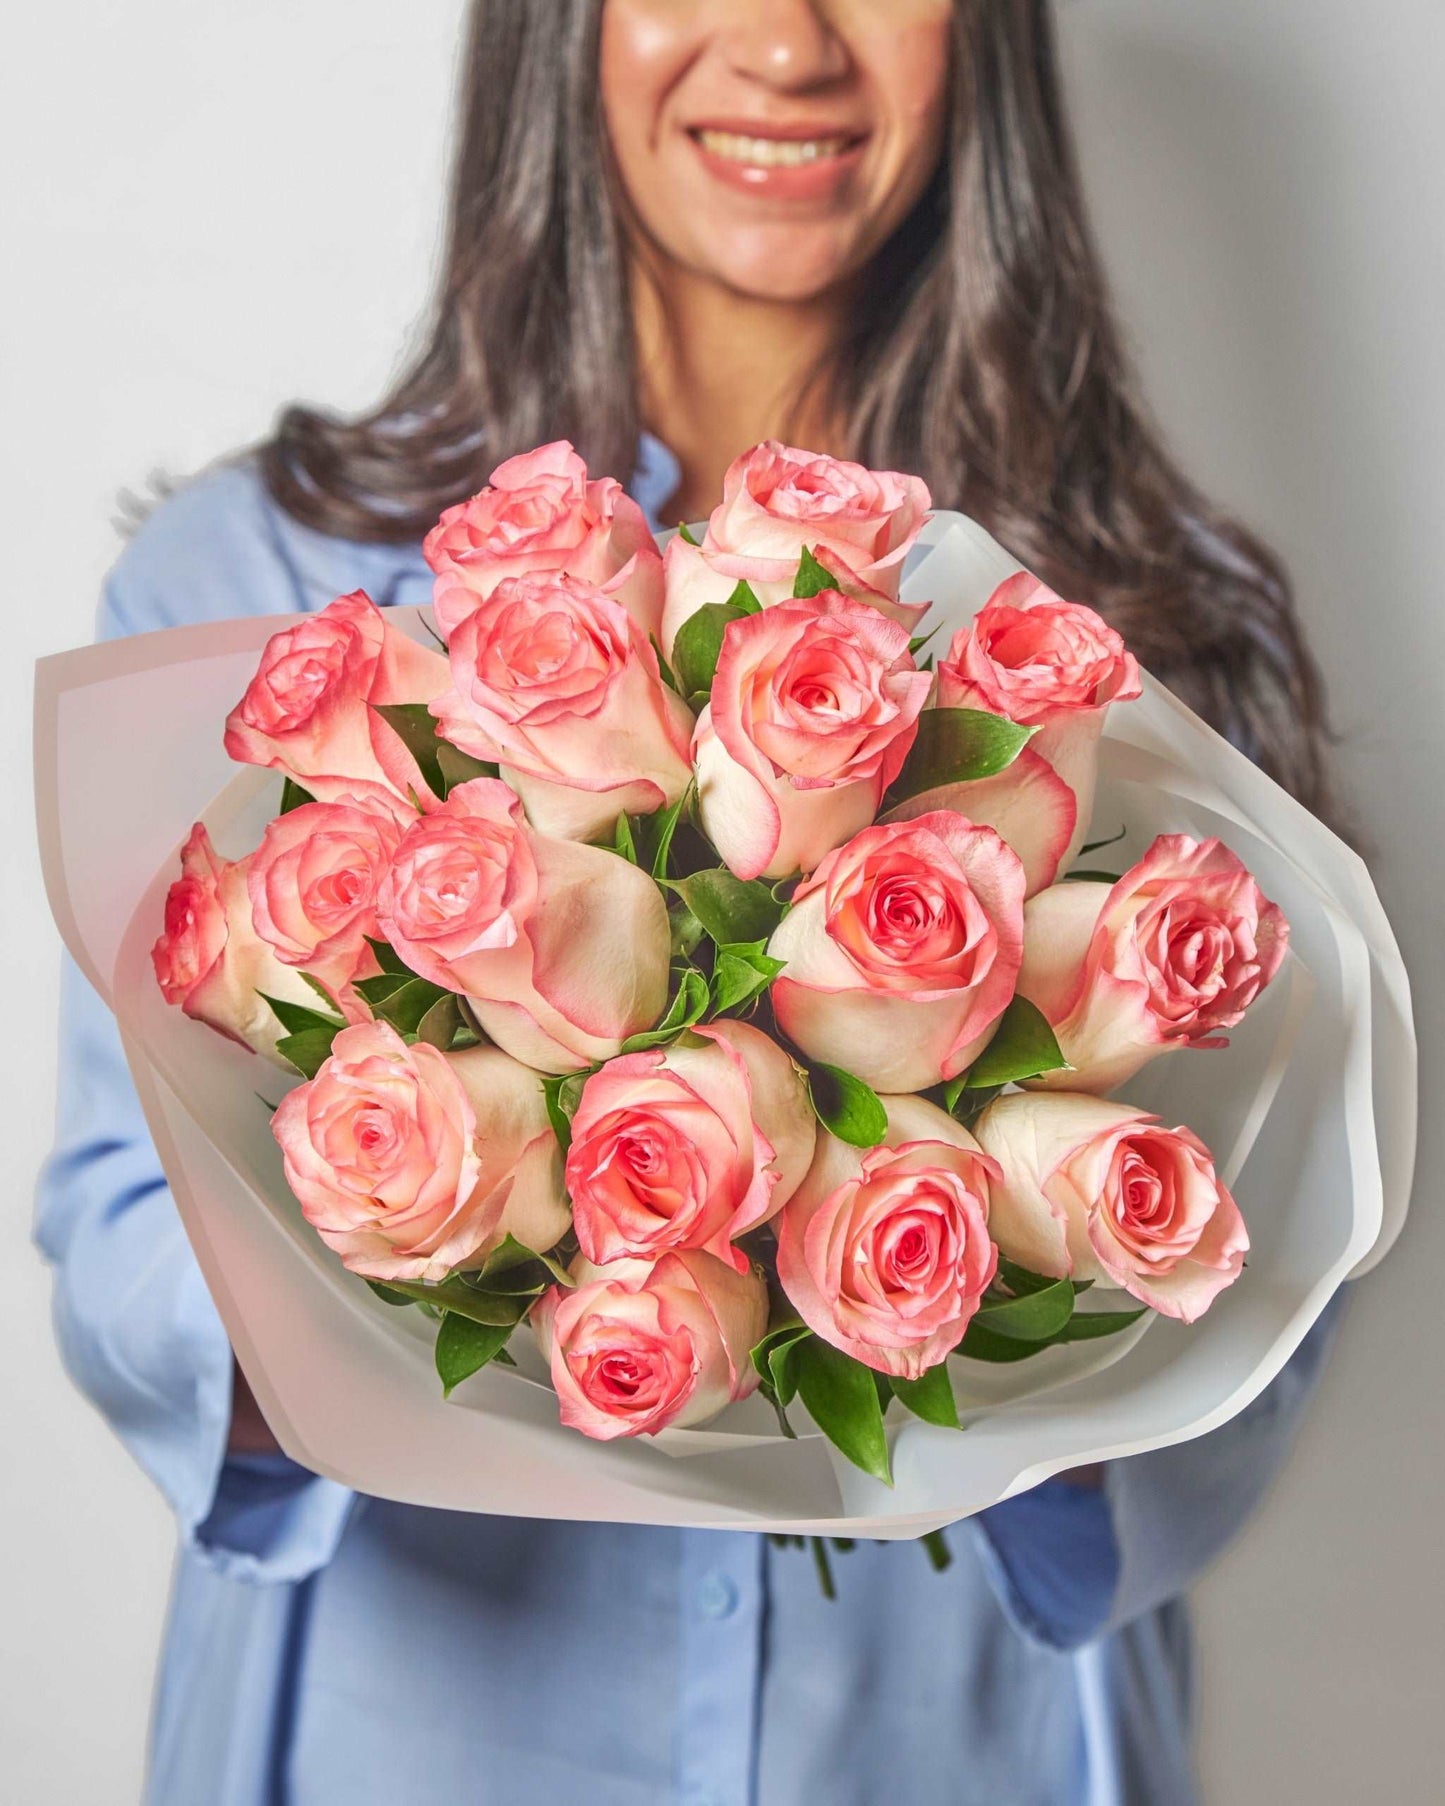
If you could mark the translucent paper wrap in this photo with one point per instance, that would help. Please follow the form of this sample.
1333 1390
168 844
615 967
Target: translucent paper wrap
1311 1117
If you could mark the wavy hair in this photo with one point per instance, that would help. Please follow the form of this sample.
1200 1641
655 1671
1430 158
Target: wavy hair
982 355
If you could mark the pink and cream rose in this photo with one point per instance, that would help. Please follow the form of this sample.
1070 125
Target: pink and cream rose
1168 957
1051 665
1101 1191
209 958
688 1146
556 682
410 1163
885 1253
777 502
814 707
641 1346
313 882
562 949
902 950
308 711
542 513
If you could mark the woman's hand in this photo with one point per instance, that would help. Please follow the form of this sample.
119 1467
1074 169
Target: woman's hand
250 1433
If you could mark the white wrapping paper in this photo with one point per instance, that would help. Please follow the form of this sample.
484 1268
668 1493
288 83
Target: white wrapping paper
1311 1115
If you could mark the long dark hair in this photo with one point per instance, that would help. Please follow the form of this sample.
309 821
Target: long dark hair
983 356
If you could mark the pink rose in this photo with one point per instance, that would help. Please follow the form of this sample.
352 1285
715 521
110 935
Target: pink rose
313 882
307 710
1174 952
902 951
562 949
688 1146
542 513
558 684
814 708
1099 1191
209 958
886 1253
410 1163
776 503
642 1346
1048 664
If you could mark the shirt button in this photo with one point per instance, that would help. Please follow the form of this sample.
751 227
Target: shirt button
717 1595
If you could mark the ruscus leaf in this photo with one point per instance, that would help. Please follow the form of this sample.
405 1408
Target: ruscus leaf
847 1107
930 1397
1023 1046
955 746
842 1399
463 1347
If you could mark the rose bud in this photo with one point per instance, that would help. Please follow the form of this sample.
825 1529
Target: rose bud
1047 664
777 503
558 684
313 882
562 949
210 960
642 1346
307 711
1100 1191
814 708
1174 952
410 1163
885 1253
543 513
901 951
688 1146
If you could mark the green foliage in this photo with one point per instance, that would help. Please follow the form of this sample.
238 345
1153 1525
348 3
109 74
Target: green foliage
841 1397
813 577
697 645
1023 1046
464 1346
442 765
293 797
732 911
689 1003
955 746
930 1397
741 972
847 1107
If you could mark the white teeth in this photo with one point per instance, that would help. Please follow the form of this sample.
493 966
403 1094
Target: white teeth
770 153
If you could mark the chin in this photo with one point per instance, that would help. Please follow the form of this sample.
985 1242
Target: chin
779 266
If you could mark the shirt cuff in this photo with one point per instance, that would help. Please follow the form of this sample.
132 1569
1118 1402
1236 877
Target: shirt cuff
1053 1559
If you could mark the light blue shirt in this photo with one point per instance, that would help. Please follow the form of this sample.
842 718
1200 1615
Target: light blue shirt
323 1647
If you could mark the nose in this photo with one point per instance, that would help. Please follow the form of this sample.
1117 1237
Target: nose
786 44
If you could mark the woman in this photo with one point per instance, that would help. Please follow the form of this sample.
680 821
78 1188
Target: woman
678 229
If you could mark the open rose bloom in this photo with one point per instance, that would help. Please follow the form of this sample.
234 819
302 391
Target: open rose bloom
679 976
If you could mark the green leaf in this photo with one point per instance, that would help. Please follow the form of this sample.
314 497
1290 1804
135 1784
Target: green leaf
812 577
387 1295
698 644
664 670
454 1294
920 640
731 910
1087 1326
296 1018
847 1107
981 1344
1022 1047
440 1025
1094 846
458 767
742 971
408 1006
333 1009
660 829
388 958
464 1346
1087 877
687 1007
385 984
623 842
744 598
685 932
416 727
1023 1280
293 797
510 1254
308 1050
929 1397
940 1556
685 532
1034 1317
562 1092
772 1358
955 746
842 1399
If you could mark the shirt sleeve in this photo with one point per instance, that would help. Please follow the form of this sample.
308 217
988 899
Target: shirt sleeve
1071 1563
136 1326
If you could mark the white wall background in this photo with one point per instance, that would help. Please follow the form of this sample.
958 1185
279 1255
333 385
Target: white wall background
209 209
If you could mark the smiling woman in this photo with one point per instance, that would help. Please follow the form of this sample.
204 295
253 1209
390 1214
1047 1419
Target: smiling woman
680 227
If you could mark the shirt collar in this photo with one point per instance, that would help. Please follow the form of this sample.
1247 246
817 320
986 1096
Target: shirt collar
656 478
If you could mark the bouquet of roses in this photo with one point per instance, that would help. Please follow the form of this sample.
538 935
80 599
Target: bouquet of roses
681 962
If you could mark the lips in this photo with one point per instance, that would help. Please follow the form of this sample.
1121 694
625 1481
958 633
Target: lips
786 162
